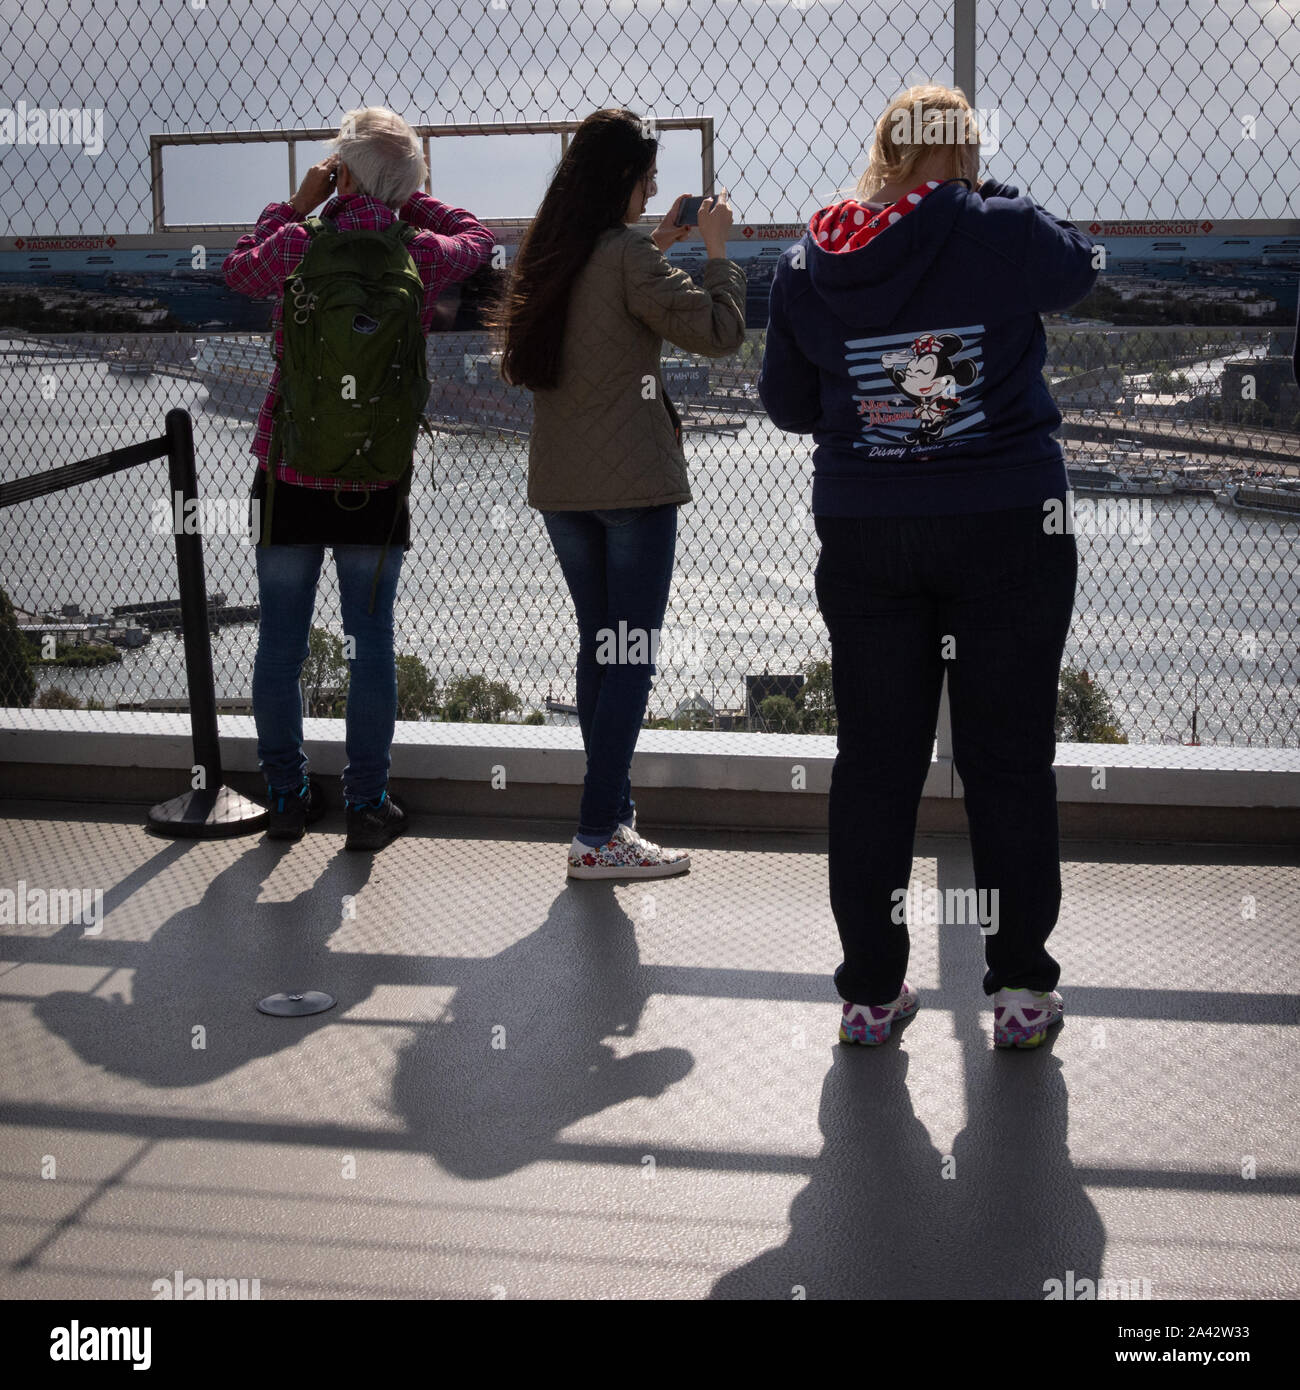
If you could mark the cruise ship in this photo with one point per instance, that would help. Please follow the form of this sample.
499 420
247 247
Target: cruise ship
236 372
1282 253
1272 498
759 274
1091 476
1147 484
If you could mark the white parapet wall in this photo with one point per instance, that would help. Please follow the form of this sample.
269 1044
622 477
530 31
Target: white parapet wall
771 764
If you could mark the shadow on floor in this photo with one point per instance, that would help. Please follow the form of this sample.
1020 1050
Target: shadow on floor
885 1215
208 965
520 1054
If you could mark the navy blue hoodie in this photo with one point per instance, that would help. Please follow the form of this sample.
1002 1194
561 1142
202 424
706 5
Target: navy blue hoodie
915 362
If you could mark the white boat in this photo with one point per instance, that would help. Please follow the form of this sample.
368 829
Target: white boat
1092 478
1146 484
123 362
1271 498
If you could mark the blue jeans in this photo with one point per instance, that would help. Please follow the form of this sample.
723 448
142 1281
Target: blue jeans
998 593
619 569
286 580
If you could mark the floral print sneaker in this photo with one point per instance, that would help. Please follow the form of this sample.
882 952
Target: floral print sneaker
870 1023
1022 1019
625 855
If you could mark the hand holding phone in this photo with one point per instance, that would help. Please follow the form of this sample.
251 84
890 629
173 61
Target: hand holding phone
715 221
689 212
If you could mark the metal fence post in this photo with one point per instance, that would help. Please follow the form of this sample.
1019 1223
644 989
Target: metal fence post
156 183
963 48
963 79
209 809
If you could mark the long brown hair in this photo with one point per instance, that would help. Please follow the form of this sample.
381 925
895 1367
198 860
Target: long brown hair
609 154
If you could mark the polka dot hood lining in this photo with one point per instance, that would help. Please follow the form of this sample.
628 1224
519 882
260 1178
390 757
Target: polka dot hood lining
850 225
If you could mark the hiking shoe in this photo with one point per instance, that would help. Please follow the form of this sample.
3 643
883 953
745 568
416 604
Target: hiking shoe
1022 1018
373 824
870 1023
292 812
625 855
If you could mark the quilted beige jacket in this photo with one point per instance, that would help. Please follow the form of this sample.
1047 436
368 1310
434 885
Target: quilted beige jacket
607 435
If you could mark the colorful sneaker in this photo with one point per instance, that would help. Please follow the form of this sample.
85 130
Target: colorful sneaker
372 824
1022 1018
870 1023
292 812
625 855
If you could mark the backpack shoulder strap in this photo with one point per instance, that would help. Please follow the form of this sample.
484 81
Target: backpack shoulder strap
316 228
400 234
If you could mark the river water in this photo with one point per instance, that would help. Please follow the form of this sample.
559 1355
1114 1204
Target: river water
1208 599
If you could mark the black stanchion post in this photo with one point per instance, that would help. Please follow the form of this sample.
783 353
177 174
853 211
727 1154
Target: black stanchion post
210 808
194 601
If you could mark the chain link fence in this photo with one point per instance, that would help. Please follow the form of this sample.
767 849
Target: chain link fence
1179 112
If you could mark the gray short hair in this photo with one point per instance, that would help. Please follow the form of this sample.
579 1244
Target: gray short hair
382 153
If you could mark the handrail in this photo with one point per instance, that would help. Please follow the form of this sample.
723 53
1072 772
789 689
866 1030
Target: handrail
294 137
209 809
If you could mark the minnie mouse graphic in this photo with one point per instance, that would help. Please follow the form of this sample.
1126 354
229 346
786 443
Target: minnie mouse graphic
929 378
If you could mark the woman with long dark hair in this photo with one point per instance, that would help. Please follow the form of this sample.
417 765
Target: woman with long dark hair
904 335
586 310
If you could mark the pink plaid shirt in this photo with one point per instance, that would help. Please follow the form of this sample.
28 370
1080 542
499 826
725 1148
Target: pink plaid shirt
449 245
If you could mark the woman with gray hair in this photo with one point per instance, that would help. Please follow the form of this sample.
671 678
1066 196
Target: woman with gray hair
374 176
378 155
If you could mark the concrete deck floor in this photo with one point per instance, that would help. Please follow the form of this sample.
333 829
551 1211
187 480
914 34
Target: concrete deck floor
670 1115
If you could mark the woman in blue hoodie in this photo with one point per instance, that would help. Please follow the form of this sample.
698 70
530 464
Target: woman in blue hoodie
904 336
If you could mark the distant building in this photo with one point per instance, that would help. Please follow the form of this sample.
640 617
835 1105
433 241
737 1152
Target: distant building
1160 405
1274 387
758 688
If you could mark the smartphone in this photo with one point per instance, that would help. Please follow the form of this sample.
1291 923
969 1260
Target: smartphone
690 212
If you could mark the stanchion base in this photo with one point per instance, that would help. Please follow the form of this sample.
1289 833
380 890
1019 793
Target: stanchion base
298 1005
208 814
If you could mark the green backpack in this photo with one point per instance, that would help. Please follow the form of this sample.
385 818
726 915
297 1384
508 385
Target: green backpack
353 379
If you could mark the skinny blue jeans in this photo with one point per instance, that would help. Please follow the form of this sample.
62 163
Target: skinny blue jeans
286 579
619 568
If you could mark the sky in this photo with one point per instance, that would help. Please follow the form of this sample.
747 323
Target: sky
1154 109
